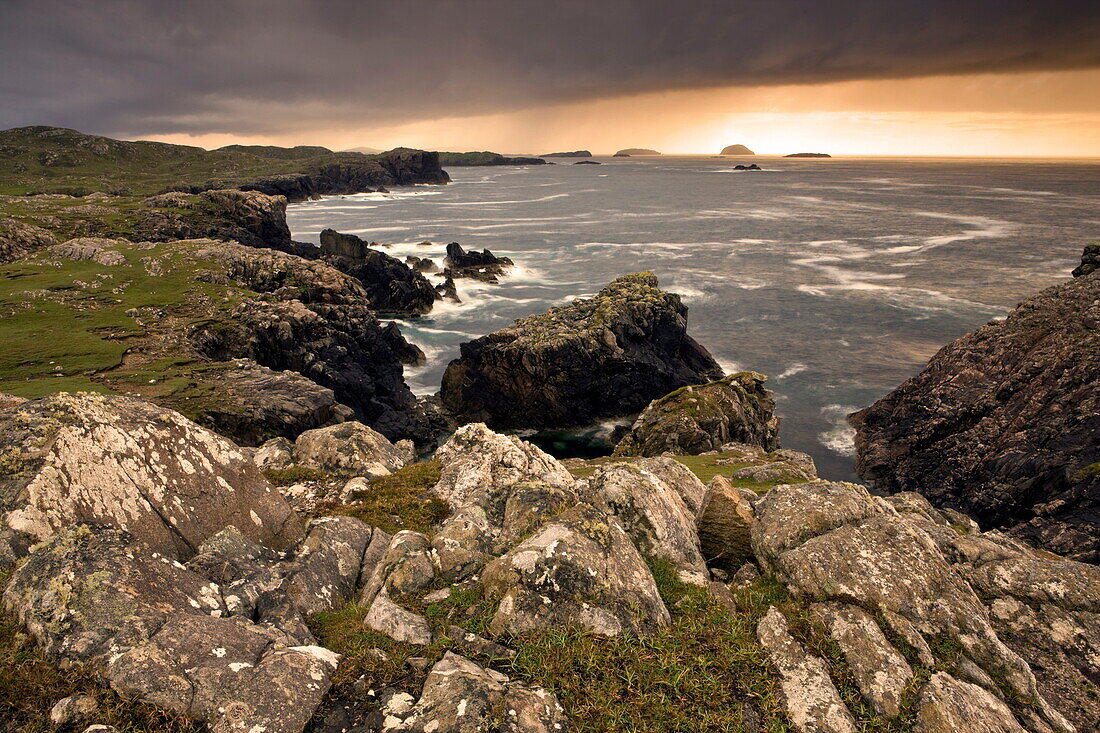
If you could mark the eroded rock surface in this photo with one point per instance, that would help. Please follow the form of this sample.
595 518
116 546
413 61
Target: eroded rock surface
606 356
351 449
393 288
1004 424
85 457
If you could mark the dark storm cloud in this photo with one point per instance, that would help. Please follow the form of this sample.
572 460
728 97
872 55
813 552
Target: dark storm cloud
270 66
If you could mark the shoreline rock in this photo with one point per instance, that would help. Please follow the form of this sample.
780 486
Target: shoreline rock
601 357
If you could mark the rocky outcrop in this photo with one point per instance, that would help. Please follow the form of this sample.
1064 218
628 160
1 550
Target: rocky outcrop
483 265
736 150
392 287
835 543
73 458
724 525
18 239
1090 260
701 418
1004 424
316 321
353 173
605 356
749 167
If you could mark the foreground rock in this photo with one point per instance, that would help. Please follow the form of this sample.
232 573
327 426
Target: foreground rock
834 542
73 458
701 418
1003 424
350 449
1090 260
393 288
601 357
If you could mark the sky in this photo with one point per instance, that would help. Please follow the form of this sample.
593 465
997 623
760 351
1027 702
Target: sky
878 77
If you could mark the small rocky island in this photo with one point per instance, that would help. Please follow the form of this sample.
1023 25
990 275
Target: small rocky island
627 152
808 155
573 154
736 150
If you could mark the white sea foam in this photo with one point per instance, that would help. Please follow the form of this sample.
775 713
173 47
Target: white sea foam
792 370
841 437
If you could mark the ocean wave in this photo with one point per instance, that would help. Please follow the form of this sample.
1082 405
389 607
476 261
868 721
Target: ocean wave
792 370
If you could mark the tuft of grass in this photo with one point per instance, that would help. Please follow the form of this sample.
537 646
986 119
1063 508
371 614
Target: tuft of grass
30 686
402 500
292 475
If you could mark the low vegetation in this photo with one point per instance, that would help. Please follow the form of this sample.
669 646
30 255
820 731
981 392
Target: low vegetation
402 500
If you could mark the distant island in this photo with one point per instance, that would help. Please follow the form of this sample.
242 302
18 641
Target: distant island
574 154
627 152
808 155
364 150
587 162
485 157
736 150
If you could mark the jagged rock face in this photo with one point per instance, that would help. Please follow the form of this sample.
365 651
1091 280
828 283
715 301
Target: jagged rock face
392 287
835 542
315 321
701 418
73 458
395 168
18 239
262 217
602 357
724 523
249 217
1004 424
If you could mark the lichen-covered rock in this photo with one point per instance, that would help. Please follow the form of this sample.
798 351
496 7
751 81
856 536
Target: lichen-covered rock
74 710
809 697
19 239
351 449
701 418
404 568
579 570
73 458
879 669
393 288
724 524
274 454
606 356
323 569
226 672
833 541
461 697
654 515
400 624
90 590
949 705
1004 424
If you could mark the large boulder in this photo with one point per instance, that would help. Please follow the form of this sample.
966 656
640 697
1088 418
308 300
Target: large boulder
1004 424
606 356
393 288
701 418
724 524
350 449
72 458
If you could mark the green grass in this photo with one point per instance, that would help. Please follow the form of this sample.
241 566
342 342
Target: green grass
399 501
30 685
292 475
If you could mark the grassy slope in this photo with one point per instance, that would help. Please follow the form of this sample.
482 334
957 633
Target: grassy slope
36 159
69 327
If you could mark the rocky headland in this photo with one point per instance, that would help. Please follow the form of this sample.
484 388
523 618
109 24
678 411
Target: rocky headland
605 356
484 158
1004 423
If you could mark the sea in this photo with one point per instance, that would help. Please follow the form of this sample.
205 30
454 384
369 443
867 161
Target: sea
838 278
